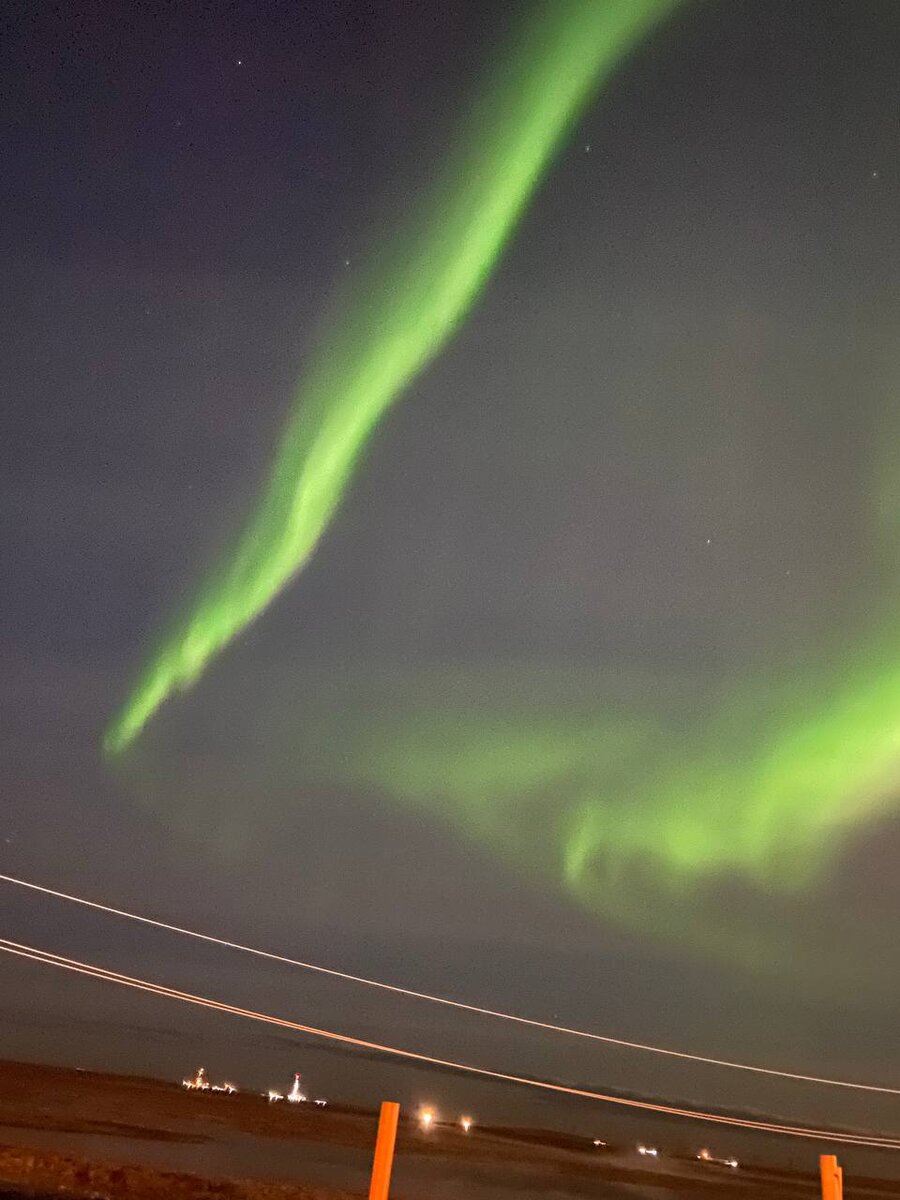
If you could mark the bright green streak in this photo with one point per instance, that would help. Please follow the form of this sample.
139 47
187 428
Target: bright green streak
399 323
633 812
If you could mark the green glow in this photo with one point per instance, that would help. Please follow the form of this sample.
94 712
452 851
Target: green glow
399 322
644 801
640 815
638 806
768 805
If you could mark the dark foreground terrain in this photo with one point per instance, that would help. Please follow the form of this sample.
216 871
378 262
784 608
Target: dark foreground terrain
84 1135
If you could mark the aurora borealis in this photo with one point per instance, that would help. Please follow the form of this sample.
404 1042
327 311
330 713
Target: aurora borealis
399 320
631 810
573 690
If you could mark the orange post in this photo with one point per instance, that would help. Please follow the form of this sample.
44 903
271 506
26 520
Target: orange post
832 1177
384 1151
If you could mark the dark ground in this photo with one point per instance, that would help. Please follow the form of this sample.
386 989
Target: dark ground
88 1134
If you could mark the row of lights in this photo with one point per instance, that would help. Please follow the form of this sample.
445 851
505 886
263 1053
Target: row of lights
427 1116
200 1083
427 1120
705 1156
702 1155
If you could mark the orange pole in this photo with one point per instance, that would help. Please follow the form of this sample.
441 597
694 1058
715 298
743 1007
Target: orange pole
832 1177
384 1151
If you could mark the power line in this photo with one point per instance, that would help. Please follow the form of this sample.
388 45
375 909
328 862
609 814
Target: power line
90 970
457 1004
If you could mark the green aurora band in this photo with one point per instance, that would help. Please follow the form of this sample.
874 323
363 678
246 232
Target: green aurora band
400 320
639 803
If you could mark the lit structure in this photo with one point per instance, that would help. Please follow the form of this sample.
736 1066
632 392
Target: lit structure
466 1123
198 1082
295 1096
426 1119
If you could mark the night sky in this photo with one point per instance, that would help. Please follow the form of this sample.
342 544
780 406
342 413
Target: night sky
639 518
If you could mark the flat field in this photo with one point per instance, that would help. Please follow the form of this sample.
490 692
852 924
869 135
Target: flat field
85 1134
